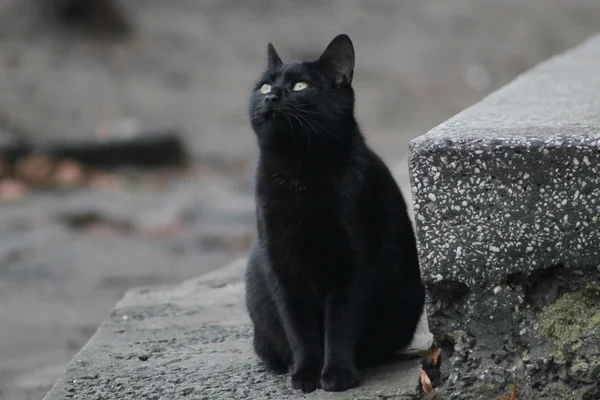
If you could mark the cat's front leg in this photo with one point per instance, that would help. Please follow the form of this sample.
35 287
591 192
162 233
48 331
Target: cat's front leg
345 314
304 331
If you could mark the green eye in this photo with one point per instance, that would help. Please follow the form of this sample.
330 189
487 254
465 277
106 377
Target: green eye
300 86
266 88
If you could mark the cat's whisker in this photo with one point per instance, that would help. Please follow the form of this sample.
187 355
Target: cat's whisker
311 120
296 112
317 113
304 113
301 118
303 126
291 129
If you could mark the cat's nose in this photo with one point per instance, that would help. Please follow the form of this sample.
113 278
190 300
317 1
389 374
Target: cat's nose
272 98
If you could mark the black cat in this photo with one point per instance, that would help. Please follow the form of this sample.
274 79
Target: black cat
333 281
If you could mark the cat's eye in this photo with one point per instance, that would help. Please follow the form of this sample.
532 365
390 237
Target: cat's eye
266 88
300 86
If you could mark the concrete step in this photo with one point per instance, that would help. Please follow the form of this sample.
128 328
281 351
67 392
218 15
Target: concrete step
507 205
193 341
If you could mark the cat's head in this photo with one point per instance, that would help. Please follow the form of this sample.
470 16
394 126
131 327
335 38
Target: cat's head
305 102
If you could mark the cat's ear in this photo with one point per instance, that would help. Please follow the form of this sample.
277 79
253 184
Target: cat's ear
337 61
273 59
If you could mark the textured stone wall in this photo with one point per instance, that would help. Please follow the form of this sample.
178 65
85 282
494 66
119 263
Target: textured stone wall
507 208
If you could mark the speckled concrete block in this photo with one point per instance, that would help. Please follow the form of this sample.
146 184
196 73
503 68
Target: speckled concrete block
507 208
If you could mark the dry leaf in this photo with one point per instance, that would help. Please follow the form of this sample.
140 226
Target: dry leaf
425 382
433 358
430 396
513 395
36 170
69 173
11 190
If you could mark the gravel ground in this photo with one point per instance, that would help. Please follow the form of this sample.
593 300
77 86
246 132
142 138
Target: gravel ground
66 257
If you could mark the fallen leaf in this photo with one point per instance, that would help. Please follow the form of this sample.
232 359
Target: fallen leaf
36 170
433 358
430 396
425 382
513 395
11 190
69 173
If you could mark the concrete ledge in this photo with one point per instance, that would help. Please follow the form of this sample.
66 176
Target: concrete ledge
507 206
193 341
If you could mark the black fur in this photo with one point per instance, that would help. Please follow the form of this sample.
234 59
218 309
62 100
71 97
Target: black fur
333 281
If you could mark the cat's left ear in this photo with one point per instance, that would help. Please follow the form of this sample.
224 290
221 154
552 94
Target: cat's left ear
273 59
337 61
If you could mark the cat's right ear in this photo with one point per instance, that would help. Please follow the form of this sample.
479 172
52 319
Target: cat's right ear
273 59
338 60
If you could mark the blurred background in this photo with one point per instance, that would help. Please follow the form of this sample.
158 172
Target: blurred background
126 156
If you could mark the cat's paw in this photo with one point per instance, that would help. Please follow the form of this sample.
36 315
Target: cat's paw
306 380
338 379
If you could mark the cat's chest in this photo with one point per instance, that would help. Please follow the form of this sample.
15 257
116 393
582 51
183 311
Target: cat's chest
302 209
306 233
300 203
303 202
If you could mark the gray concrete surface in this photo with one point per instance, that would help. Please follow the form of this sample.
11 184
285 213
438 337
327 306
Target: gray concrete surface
193 341
190 64
506 201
